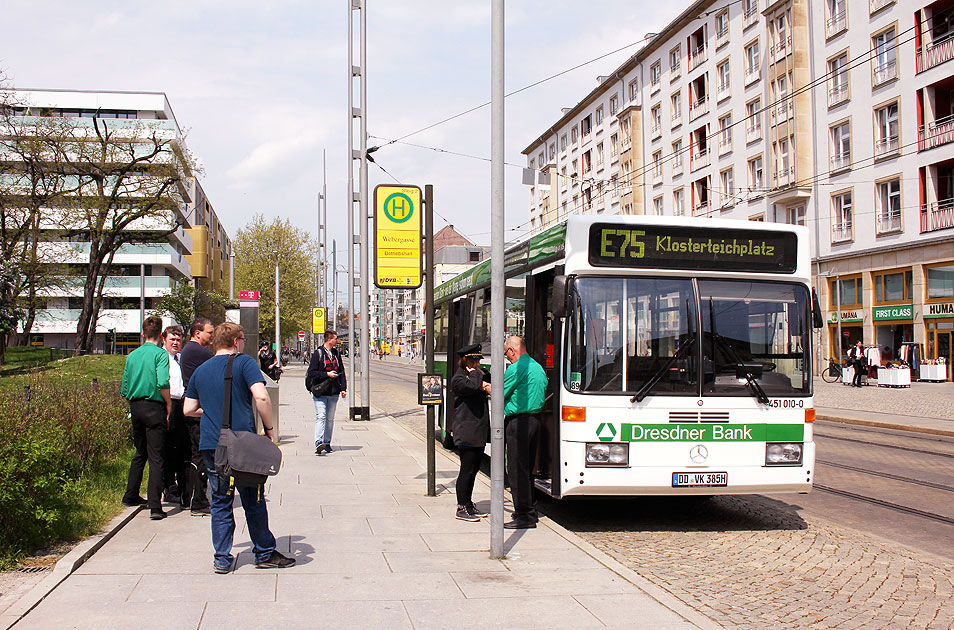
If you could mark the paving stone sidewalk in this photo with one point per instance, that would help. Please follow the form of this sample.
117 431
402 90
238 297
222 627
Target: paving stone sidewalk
373 552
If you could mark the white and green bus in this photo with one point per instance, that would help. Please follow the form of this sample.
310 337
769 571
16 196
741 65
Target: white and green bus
678 353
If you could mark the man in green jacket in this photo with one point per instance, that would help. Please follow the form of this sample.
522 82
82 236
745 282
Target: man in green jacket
146 387
525 387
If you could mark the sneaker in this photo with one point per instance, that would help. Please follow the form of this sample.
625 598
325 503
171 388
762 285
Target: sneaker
464 514
156 515
318 450
275 561
134 502
202 512
474 511
327 448
220 569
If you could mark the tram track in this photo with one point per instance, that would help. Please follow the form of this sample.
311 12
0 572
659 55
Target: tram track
882 444
875 473
897 507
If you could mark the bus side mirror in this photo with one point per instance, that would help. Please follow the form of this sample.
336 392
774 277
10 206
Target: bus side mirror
817 319
560 284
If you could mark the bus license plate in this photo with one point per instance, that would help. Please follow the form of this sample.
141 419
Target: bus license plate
699 479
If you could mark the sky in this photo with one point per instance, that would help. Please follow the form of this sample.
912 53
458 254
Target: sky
261 89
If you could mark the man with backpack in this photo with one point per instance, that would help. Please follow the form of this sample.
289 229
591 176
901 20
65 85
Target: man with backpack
326 380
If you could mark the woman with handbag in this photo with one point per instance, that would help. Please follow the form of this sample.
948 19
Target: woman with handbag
327 378
471 426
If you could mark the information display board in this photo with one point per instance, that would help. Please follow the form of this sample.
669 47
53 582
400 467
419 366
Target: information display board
397 237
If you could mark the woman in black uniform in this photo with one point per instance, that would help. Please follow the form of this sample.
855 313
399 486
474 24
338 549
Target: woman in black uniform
471 426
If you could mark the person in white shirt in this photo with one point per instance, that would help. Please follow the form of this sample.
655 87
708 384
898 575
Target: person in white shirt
176 449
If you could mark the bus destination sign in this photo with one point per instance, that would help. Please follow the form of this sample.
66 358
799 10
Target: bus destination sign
691 248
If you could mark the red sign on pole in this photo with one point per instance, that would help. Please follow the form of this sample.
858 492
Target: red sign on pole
301 335
248 295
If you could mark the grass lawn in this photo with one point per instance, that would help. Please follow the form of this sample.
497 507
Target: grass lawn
103 367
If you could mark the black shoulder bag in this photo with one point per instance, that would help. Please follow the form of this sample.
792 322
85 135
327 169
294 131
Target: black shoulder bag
247 457
320 388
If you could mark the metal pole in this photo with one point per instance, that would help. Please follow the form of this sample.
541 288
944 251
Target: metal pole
352 404
278 321
429 345
334 278
497 322
365 301
231 277
142 295
838 306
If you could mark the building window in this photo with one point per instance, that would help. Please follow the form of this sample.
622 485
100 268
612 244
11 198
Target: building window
887 140
634 91
575 170
599 155
753 115
885 60
722 70
587 162
599 115
677 157
841 217
722 27
700 192
756 181
940 282
893 287
782 174
586 126
614 146
838 83
532 164
540 159
563 142
563 177
675 108
474 256
889 206
614 105
675 60
781 35
795 216
850 295
837 18
655 115
725 134
574 135
678 203
655 74
658 206
727 182
657 167
752 62
840 146
552 150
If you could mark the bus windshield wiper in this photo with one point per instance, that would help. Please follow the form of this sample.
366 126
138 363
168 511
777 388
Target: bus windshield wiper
661 372
742 369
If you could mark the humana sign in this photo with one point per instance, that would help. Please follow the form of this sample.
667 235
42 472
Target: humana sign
944 309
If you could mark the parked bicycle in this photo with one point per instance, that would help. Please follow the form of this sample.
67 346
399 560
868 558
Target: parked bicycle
832 373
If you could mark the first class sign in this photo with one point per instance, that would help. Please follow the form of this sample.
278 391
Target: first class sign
397 237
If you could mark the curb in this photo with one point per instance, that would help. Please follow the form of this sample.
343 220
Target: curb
885 425
657 593
64 568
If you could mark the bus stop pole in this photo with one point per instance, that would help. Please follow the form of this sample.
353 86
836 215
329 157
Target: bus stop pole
429 329
497 322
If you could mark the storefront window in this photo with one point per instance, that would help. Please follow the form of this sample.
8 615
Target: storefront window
893 287
940 282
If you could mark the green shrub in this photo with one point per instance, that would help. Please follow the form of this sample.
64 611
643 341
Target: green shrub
52 444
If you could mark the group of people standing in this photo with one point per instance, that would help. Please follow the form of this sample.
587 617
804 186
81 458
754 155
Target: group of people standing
525 385
176 394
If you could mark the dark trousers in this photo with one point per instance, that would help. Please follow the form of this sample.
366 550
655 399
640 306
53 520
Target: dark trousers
469 465
149 428
860 369
195 489
175 454
520 434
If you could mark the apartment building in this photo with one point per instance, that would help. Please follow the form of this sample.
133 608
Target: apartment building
141 273
829 114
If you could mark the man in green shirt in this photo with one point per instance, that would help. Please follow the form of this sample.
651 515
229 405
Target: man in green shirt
146 387
525 387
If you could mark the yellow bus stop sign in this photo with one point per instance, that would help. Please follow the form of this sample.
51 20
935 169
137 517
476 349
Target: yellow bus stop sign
397 237
318 321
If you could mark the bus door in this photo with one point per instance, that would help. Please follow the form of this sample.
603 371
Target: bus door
542 336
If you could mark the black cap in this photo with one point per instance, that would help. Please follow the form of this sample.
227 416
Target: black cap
470 351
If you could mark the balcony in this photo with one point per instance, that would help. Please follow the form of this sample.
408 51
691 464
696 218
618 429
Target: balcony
779 50
782 112
698 108
935 53
885 72
676 119
938 215
840 162
677 165
841 232
935 134
752 75
655 131
889 221
657 173
725 144
887 146
722 36
699 159
784 177
697 57
877 5
836 23
723 92
701 209
838 94
753 132
751 17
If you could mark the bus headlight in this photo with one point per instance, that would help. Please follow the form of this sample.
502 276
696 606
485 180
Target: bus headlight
783 454
607 454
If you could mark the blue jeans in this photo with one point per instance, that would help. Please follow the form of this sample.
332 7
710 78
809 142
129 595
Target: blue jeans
223 520
324 418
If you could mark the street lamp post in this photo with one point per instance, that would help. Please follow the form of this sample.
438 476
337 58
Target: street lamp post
278 324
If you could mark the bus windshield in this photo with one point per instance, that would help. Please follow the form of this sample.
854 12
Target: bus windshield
643 335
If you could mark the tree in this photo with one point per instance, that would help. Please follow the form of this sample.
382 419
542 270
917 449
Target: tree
258 247
184 302
9 313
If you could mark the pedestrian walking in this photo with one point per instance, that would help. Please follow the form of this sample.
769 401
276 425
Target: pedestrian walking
326 364
175 453
471 426
525 386
194 354
146 386
205 397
